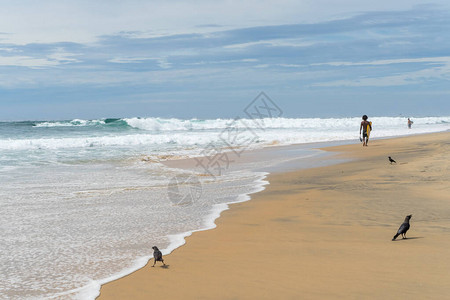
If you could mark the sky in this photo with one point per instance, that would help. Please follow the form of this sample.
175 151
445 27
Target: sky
209 59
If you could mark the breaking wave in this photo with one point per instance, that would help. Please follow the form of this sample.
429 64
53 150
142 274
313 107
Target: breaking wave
174 124
159 132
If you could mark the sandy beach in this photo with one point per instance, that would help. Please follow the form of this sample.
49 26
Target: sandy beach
322 233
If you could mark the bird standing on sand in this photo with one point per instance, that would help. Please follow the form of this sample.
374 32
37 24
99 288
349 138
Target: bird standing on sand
157 255
403 228
391 160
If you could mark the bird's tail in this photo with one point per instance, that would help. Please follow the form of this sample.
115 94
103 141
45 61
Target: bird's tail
395 236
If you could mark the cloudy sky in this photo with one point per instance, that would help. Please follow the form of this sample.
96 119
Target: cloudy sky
208 59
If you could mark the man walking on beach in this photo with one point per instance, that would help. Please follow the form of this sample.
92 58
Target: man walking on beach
410 123
366 127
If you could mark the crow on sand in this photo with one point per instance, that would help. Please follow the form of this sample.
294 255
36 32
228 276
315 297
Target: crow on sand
403 228
157 255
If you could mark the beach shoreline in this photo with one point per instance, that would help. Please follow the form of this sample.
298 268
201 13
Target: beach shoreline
261 249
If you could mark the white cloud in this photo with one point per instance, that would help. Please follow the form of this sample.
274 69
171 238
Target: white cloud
244 60
82 21
26 61
161 61
291 65
58 57
129 60
61 56
441 72
274 42
442 59
9 50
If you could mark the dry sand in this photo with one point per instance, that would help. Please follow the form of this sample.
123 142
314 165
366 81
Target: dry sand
322 233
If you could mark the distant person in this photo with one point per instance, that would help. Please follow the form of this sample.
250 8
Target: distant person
366 128
410 123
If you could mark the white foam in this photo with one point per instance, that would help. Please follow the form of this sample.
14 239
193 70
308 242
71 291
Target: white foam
126 198
159 124
92 290
174 124
74 122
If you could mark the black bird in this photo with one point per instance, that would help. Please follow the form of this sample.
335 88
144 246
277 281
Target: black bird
157 255
391 160
403 228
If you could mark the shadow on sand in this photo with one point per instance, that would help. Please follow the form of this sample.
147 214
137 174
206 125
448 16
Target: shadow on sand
410 238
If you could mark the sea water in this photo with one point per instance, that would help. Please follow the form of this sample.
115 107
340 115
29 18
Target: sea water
83 201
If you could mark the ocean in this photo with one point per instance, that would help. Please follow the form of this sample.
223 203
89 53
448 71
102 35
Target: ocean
83 201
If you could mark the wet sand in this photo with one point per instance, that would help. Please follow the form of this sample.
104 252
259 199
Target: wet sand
322 233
